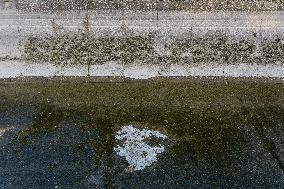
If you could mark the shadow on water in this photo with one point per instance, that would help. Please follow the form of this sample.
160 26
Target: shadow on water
65 148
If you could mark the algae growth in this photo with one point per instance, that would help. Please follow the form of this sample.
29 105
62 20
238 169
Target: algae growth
218 132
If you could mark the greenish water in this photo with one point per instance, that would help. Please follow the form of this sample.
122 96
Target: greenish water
216 140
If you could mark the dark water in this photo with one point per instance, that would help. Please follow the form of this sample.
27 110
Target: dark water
64 148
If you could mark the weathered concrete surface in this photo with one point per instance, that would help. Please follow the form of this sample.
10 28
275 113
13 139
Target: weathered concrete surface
16 26
14 69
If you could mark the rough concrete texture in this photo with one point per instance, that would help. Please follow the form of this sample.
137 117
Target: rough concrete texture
17 26
14 69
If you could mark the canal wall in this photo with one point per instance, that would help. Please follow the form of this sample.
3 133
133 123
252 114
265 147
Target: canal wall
16 26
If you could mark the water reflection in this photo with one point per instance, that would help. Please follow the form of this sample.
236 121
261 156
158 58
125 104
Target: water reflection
75 149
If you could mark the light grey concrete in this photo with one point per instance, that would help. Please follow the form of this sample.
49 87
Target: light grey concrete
14 69
17 26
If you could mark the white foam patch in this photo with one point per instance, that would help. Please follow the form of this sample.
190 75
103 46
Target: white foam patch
3 131
137 153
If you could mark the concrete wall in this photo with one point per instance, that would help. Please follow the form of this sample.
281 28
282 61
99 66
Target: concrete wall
15 26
